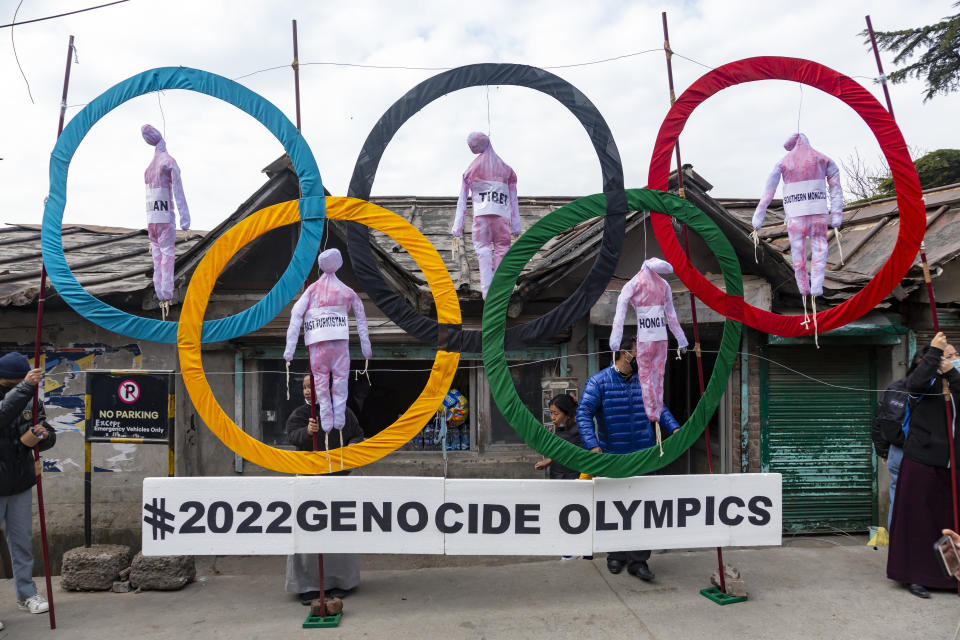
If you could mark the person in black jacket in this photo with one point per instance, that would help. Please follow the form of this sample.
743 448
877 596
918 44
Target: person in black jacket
18 473
924 497
563 415
341 571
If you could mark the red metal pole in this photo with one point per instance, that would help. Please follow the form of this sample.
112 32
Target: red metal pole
876 54
313 387
316 447
296 72
693 301
36 363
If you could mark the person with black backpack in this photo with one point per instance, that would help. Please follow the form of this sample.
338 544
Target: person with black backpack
891 423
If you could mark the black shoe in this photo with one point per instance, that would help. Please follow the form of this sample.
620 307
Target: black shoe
308 596
615 566
918 590
588 557
642 571
336 593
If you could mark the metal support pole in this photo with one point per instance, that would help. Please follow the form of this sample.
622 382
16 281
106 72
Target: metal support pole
693 302
316 446
296 72
36 363
87 495
883 78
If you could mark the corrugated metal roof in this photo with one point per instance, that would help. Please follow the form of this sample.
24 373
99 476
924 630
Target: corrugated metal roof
434 216
869 233
105 260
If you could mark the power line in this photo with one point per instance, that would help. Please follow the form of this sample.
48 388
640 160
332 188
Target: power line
16 57
59 15
411 68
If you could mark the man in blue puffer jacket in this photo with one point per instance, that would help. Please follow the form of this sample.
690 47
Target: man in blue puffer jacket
613 397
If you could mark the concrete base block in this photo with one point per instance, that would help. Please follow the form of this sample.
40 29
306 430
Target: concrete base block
94 568
162 573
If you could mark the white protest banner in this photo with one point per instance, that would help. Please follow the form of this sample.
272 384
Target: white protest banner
670 512
235 516
516 517
364 514
368 514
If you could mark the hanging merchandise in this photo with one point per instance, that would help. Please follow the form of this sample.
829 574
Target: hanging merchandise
492 184
457 408
806 206
162 179
322 312
652 300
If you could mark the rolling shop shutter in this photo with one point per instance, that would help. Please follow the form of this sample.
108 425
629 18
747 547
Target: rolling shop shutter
818 435
924 336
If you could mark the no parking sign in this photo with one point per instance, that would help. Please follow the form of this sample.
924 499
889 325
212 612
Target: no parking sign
131 406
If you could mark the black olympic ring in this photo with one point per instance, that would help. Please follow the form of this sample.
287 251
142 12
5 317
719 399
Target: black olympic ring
453 337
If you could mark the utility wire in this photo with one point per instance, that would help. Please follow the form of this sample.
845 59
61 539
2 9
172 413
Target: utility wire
412 68
534 362
59 15
16 57
415 68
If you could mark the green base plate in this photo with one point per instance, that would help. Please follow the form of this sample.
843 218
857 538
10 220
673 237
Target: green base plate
714 593
320 622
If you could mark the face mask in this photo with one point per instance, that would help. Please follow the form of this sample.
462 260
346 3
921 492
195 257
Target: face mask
956 363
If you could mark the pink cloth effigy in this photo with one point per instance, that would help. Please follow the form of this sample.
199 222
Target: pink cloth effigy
811 192
162 180
652 300
322 312
492 186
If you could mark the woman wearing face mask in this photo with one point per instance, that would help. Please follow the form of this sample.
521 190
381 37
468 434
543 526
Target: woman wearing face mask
922 506
563 411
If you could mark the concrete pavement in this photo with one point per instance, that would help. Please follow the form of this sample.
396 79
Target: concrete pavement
826 587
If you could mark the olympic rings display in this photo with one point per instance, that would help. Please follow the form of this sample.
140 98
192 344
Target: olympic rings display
310 462
577 304
312 203
907 185
502 389
615 201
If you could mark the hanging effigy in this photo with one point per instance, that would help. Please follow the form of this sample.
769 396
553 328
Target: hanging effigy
652 300
492 186
162 179
322 312
807 177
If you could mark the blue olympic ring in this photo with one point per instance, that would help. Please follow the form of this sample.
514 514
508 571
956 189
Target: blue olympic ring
312 206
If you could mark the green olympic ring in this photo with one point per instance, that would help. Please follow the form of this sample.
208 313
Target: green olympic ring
504 394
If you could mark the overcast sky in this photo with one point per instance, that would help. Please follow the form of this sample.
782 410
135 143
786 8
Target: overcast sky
733 139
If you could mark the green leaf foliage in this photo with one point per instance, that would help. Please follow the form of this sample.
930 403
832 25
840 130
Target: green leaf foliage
938 49
936 169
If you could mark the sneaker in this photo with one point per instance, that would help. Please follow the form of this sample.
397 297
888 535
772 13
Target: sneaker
34 604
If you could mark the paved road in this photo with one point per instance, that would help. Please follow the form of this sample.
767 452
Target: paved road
830 587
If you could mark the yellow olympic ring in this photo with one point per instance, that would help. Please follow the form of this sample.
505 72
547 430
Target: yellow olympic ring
195 305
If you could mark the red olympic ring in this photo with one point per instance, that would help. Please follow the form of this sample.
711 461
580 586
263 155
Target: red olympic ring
905 180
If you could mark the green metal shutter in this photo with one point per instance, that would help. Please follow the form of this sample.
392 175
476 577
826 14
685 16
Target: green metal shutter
818 436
